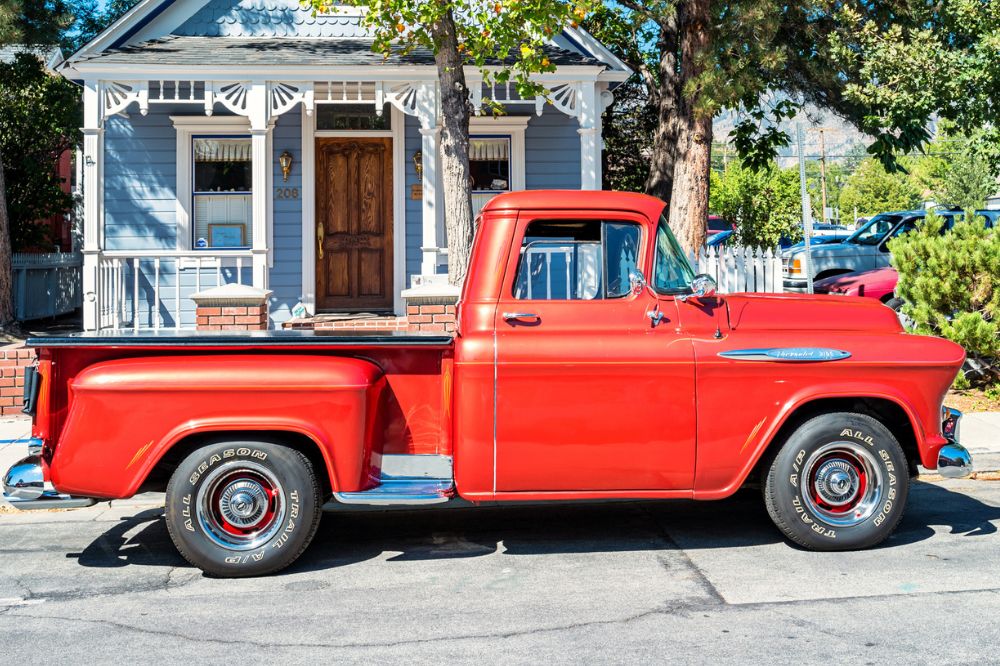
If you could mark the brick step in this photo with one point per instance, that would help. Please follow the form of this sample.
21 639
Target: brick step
436 318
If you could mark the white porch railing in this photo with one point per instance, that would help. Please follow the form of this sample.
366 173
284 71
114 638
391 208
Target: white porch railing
742 268
153 289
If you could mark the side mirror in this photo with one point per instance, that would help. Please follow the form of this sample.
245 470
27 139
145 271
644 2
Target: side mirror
703 286
637 281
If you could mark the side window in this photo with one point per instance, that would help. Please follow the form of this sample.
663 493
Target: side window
577 260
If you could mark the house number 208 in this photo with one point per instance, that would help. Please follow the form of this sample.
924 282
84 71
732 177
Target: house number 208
286 193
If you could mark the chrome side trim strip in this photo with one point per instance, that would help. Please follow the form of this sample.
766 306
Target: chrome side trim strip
787 354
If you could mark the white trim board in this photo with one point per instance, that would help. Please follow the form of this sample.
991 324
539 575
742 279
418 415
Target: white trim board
309 136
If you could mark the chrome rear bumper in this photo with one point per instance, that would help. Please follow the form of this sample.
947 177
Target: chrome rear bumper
25 487
954 461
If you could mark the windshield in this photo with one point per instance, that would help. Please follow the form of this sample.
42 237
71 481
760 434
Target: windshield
672 273
876 230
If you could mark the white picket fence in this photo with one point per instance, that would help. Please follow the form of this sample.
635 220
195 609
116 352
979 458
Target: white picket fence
742 268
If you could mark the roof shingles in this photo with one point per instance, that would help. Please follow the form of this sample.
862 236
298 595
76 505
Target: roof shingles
280 51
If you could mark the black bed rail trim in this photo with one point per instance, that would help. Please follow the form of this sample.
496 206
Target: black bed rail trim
290 338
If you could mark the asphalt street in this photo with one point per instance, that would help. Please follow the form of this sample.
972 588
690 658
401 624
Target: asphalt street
678 582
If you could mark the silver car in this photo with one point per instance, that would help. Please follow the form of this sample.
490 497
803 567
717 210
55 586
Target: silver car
863 250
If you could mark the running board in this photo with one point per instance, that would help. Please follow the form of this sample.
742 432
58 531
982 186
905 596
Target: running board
407 480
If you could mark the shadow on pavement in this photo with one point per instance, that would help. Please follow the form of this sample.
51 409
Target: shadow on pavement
347 537
122 545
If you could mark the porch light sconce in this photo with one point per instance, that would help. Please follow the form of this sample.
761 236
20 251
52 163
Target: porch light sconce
285 160
418 163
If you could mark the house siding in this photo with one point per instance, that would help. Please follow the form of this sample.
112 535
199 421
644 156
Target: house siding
286 273
552 152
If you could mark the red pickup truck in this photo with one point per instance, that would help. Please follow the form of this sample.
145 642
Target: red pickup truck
589 363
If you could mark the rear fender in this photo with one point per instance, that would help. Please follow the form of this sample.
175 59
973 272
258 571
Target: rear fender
126 414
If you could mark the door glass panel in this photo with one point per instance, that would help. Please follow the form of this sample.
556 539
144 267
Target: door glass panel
577 260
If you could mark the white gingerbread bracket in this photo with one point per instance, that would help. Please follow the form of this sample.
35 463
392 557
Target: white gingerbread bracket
234 96
403 96
284 97
119 95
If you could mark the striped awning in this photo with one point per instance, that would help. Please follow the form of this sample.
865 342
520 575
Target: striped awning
222 150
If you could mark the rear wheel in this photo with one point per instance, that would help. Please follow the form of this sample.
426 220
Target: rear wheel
238 509
839 482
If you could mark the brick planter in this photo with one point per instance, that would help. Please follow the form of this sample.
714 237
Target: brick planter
13 360
232 307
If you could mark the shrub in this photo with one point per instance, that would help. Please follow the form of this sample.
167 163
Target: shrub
950 283
763 204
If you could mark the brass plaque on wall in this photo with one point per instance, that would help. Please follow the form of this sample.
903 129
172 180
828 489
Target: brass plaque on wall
416 192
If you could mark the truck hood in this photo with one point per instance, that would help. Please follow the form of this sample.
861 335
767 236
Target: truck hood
784 312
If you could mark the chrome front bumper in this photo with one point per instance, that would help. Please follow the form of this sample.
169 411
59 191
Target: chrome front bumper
954 461
25 487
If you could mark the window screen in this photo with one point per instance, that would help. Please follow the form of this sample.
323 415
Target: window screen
577 260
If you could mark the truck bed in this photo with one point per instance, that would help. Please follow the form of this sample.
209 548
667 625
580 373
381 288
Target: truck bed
279 338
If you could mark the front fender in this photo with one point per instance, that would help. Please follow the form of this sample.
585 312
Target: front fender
125 415
743 404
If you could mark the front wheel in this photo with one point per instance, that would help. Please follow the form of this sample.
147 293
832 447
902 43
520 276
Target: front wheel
839 482
237 509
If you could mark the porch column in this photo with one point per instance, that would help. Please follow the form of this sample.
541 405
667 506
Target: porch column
590 136
93 200
433 201
260 200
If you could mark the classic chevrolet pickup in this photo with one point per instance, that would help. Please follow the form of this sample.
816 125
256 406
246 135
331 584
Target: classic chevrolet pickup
589 363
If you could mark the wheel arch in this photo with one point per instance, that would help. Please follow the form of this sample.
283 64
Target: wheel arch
889 411
179 447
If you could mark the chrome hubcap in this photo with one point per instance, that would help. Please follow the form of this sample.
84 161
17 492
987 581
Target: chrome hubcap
243 502
842 484
240 505
837 482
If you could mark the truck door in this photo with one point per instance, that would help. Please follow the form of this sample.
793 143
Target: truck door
589 397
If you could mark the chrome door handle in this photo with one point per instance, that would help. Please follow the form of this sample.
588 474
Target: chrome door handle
508 316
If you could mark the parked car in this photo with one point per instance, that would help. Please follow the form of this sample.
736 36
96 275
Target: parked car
822 233
830 233
571 377
865 249
717 224
879 283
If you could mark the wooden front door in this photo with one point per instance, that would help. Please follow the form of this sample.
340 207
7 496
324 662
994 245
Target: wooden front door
354 224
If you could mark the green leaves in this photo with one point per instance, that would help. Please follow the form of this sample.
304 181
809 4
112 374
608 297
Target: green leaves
764 203
504 39
40 117
870 190
950 281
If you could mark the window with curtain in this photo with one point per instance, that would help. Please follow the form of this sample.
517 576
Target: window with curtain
489 169
223 183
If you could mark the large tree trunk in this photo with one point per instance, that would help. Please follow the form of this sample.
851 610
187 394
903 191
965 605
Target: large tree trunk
454 148
660 181
6 273
689 197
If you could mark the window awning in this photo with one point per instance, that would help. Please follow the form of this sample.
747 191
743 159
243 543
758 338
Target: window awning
489 149
222 150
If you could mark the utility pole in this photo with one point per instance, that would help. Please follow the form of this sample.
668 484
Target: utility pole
822 170
807 222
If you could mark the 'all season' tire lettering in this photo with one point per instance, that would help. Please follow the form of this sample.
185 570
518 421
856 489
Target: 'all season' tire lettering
243 452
